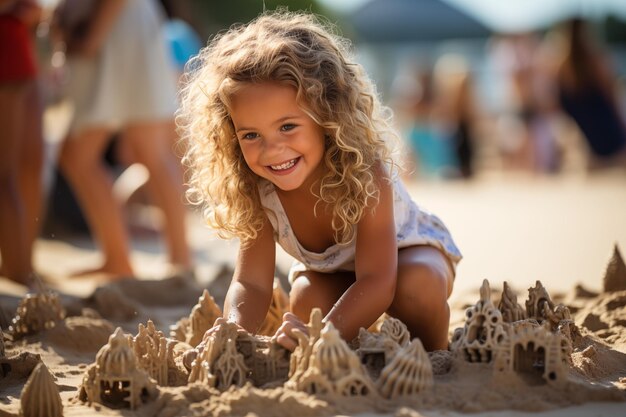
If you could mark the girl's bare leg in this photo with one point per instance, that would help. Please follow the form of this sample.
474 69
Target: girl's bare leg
83 166
425 280
151 146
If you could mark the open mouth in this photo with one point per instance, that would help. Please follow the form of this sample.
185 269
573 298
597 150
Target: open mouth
285 165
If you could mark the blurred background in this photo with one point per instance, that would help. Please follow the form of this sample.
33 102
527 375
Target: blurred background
475 84
511 115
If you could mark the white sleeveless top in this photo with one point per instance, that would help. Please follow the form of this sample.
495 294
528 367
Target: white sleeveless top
414 226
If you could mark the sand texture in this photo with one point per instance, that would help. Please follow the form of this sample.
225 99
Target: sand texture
479 373
517 348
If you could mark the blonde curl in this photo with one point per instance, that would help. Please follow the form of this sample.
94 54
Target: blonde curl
299 50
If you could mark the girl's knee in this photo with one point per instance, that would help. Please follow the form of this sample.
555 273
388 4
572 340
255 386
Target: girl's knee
422 286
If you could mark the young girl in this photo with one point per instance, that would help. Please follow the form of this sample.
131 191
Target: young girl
288 143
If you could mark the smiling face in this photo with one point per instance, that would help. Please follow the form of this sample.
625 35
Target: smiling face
279 141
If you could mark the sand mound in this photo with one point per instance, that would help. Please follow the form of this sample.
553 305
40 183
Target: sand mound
595 371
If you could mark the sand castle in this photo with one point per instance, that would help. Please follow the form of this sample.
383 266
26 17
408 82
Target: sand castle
535 342
483 332
36 312
615 275
323 364
203 315
231 356
116 379
40 396
191 329
153 352
531 343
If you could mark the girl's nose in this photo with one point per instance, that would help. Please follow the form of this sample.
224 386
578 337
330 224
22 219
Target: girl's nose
274 144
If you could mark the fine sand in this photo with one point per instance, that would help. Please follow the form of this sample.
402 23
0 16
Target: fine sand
560 231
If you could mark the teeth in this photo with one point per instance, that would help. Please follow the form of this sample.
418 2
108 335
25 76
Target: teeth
285 165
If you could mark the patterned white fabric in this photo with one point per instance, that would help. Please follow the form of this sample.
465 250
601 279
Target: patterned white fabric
132 79
414 226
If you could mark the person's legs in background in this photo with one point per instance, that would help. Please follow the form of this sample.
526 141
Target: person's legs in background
31 165
83 166
14 233
151 145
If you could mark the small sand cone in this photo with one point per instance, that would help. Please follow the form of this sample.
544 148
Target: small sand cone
40 396
615 275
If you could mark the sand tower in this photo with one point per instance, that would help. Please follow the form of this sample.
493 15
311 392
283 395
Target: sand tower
483 331
615 275
535 354
333 368
202 317
37 312
508 306
408 373
40 395
377 349
115 379
153 352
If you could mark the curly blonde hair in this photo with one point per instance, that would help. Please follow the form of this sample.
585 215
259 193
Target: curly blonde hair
296 49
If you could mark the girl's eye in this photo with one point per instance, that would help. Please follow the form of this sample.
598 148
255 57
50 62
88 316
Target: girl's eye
250 135
287 127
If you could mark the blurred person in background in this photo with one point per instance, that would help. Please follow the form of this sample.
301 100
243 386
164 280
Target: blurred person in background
588 93
431 153
457 109
21 142
121 80
525 136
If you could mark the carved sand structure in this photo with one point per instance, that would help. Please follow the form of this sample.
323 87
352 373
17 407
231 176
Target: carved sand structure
325 364
203 315
534 353
37 312
230 356
153 352
524 356
408 373
191 329
615 275
40 396
115 379
531 343
484 330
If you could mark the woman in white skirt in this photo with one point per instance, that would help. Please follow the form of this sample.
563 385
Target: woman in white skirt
121 79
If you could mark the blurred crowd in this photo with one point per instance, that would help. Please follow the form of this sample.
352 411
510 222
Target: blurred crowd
554 102
556 97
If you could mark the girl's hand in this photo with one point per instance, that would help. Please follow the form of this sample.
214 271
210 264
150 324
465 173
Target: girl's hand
285 335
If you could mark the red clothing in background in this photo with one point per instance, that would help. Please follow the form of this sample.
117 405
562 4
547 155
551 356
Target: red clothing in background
17 58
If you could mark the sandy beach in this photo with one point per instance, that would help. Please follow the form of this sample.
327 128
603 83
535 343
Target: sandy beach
514 228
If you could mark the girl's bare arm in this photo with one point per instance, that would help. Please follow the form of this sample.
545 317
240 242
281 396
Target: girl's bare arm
376 268
250 292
